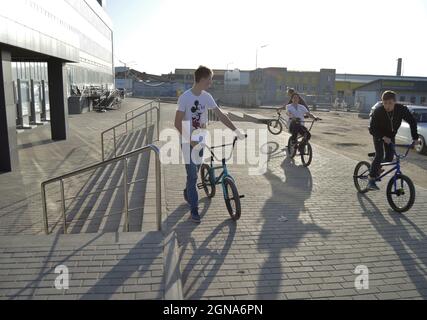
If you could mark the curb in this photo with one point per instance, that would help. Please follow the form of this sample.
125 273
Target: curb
172 270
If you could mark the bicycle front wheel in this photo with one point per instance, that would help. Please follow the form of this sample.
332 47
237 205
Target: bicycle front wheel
275 127
401 193
306 154
232 198
207 180
361 176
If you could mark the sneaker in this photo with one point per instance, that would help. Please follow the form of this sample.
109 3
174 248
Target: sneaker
195 217
372 186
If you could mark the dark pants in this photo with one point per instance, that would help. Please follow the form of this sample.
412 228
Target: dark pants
297 128
381 156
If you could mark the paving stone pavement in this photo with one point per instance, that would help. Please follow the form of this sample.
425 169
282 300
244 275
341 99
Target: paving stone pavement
302 233
327 231
123 266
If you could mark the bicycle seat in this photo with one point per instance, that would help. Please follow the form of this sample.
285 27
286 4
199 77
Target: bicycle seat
372 154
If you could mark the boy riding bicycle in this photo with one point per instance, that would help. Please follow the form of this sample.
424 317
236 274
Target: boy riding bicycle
191 118
385 122
296 113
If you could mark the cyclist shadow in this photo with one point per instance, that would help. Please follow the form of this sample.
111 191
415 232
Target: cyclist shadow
408 247
277 235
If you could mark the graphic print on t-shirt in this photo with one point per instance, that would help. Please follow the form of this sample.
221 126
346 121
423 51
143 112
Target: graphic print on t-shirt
196 114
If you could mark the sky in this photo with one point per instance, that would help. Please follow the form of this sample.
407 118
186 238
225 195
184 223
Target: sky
351 36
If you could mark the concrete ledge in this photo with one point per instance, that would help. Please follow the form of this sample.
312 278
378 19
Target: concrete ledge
257 118
236 116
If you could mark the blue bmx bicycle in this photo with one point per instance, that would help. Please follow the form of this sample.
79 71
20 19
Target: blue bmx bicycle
229 188
400 188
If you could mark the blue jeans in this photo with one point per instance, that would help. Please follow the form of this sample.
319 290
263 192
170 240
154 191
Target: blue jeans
192 169
381 156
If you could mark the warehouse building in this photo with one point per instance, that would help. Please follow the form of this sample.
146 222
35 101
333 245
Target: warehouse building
408 92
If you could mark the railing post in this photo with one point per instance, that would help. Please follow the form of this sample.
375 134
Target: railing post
146 120
132 120
45 221
158 121
125 190
64 218
102 146
115 142
158 192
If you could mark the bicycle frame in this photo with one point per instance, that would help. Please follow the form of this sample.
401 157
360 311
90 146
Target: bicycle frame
281 119
396 163
224 173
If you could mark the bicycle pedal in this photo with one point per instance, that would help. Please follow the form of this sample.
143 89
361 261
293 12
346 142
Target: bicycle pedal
242 196
200 186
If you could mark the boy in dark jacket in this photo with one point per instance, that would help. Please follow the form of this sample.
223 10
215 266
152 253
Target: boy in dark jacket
385 122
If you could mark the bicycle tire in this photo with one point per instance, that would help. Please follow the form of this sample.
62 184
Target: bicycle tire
275 123
356 176
390 193
307 162
231 196
207 181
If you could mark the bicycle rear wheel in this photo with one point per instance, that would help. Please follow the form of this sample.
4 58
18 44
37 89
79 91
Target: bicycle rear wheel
361 176
275 127
232 198
306 154
402 197
207 181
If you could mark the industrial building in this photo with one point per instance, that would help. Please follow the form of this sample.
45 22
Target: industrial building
49 51
408 92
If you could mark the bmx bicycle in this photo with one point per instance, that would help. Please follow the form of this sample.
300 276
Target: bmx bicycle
275 126
229 188
302 146
400 188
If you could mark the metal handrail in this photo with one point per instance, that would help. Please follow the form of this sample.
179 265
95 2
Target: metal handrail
132 112
145 112
103 164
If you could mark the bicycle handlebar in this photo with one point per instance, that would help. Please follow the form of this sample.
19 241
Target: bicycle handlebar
223 146
407 146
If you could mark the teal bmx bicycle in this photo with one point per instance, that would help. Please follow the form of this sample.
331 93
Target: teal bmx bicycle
400 188
229 188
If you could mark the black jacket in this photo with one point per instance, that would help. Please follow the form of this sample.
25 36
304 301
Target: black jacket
386 124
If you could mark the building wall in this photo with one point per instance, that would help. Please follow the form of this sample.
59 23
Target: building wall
72 30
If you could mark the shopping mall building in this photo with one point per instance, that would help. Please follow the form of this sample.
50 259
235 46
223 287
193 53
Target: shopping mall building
49 50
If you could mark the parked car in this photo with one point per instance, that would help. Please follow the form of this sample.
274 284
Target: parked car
404 133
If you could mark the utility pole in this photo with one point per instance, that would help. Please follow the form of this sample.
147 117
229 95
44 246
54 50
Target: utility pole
256 56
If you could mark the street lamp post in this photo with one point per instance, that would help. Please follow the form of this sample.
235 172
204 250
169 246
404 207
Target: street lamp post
256 57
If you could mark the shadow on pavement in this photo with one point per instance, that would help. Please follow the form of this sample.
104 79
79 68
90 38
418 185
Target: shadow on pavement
287 200
410 250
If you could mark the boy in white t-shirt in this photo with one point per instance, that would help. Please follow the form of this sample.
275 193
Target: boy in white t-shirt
191 118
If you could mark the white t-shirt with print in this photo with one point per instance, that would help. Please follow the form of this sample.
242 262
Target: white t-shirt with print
297 111
195 110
